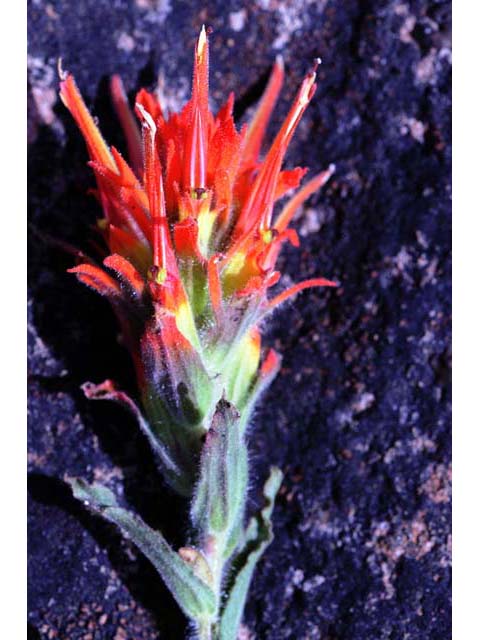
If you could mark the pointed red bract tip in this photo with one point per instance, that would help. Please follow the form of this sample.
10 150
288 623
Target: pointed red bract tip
257 211
72 99
195 166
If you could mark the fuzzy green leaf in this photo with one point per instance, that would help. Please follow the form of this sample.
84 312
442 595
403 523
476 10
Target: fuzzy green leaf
258 536
220 495
194 596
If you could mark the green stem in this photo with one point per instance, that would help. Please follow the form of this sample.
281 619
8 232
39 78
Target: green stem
205 631
214 551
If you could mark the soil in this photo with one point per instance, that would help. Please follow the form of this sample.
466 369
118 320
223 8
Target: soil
358 419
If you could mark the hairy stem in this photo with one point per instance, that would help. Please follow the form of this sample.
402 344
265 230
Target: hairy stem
214 548
204 631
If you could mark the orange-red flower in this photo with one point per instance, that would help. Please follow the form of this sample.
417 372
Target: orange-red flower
192 239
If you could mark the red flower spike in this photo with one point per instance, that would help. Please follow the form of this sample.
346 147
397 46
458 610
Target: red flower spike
196 145
257 211
193 243
154 188
128 123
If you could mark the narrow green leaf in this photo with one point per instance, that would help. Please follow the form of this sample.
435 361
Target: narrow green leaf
259 535
193 595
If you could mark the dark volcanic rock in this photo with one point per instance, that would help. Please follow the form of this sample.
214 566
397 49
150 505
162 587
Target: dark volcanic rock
362 430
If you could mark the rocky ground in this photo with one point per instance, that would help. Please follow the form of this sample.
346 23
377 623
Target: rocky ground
358 419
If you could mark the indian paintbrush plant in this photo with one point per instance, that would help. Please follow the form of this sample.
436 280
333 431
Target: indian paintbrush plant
191 240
